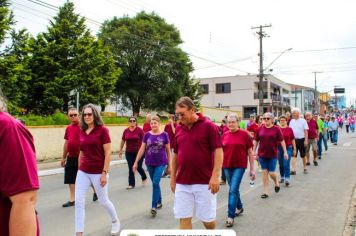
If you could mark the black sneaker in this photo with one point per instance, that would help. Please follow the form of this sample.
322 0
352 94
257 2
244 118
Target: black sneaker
319 157
68 204
315 163
95 197
308 163
281 181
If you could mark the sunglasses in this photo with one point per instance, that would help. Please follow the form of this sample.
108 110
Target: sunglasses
73 115
88 114
132 121
266 118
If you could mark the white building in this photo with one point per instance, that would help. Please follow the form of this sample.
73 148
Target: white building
240 93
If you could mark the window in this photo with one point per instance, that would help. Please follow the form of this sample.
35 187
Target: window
205 88
249 111
223 88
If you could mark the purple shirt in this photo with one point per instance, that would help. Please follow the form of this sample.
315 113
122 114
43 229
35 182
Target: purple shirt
155 153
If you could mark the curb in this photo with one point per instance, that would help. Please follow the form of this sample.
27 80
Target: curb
57 171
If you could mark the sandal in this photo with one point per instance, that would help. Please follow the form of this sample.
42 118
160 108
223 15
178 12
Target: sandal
264 195
293 172
305 171
153 212
240 211
229 222
277 188
129 187
308 163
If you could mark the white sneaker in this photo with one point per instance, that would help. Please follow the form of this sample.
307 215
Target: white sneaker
115 228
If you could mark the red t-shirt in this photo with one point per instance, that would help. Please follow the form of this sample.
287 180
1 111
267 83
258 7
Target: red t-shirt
196 148
269 139
133 139
253 128
236 147
169 130
313 130
146 127
72 136
18 169
91 145
288 135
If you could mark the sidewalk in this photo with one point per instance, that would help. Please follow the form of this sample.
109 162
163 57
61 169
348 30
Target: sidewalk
54 168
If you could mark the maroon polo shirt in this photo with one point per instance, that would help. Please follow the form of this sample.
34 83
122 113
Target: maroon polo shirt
236 146
18 169
133 139
195 148
72 136
146 127
169 130
269 139
313 131
288 135
91 145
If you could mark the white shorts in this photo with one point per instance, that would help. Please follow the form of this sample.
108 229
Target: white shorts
198 195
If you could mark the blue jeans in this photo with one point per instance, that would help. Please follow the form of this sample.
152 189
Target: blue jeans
234 177
284 165
352 127
322 139
155 173
335 136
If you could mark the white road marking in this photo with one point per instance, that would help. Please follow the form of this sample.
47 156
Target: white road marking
61 170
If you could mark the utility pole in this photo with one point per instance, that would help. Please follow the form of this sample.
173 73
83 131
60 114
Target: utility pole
261 35
315 107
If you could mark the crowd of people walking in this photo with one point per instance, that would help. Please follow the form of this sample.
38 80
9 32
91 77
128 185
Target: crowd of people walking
194 152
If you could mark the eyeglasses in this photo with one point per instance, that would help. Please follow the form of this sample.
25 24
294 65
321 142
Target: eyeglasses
88 114
73 115
266 118
132 121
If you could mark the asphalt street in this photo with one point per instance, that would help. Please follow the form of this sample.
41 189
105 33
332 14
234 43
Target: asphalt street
314 204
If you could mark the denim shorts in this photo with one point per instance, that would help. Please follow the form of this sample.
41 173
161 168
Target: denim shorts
268 164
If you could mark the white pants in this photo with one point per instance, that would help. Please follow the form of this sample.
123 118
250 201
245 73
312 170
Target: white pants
82 184
187 197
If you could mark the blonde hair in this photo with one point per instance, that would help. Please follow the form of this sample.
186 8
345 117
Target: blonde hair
156 118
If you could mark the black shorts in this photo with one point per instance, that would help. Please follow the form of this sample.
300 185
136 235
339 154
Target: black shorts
299 143
70 170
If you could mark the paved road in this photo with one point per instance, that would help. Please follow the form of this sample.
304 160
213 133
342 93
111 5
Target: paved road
315 204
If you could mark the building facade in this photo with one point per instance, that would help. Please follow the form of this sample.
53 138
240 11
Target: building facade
304 98
240 93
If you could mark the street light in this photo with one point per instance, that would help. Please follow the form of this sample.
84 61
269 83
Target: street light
261 74
288 49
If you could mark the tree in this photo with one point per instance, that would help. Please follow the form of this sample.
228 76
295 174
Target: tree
6 19
14 72
66 59
155 70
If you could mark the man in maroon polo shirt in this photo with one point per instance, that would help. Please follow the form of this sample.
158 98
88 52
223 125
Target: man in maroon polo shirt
313 137
196 166
18 178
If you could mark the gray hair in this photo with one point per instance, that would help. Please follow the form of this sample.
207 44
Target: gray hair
233 117
296 109
270 114
2 102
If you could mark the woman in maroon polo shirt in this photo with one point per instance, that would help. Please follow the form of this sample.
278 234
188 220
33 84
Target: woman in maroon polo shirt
94 162
237 147
284 164
132 136
268 138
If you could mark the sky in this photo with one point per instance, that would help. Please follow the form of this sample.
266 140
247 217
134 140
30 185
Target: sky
219 39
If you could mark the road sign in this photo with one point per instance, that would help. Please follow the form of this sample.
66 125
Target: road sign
339 90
